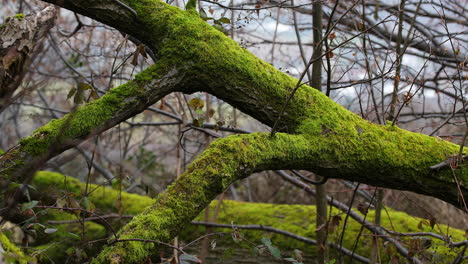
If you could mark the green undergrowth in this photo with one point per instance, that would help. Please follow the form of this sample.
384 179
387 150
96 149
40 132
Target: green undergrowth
103 198
10 252
66 243
298 219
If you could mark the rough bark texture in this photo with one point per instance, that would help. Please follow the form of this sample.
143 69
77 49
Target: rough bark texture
19 37
323 136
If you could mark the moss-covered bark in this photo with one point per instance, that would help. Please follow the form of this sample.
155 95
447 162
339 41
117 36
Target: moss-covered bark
223 68
292 218
114 107
324 137
11 253
346 146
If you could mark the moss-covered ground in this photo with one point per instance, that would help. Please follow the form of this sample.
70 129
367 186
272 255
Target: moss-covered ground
298 219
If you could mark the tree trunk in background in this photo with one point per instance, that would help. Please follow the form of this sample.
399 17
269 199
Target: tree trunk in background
316 82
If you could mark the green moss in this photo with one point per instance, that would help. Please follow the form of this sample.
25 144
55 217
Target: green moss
105 199
293 218
87 118
19 16
191 4
187 40
298 219
93 117
62 245
235 157
12 254
80 122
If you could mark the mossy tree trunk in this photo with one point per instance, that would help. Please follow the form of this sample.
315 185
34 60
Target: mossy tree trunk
318 134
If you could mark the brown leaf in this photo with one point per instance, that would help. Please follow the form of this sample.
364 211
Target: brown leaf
334 223
196 103
141 49
28 213
395 259
161 106
433 222
363 208
61 202
211 112
197 122
135 59
10 57
420 227
84 87
361 26
94 95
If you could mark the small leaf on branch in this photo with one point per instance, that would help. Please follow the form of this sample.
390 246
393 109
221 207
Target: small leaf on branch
29 205
71 92
363 208
196 103
197 122
334 223
224 20
189 258
50 230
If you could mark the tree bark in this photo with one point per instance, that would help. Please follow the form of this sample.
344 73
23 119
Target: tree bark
19 38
